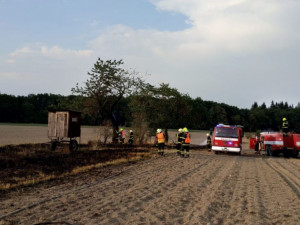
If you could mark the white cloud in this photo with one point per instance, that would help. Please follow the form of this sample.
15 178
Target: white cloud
22 51
51 52
10 76
232 52
60 53
10 61
229 43
45 69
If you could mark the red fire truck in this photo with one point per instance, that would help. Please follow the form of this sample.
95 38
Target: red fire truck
227 138
275 143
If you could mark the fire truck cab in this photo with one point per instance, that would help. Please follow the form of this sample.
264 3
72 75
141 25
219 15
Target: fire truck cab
227 138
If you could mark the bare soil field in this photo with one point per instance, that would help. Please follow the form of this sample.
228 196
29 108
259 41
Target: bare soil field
202 189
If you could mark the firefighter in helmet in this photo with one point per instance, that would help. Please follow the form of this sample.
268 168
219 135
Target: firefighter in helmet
208 142
186 140
160 140
285 125
130 140
179 140
121 135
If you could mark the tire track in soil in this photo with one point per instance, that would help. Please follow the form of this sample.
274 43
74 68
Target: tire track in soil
280 205
81 194
291 163
172 207
295 162
143 193
144 196
204 189
287 175
213 205
247 207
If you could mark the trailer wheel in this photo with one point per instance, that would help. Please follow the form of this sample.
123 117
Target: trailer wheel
53 145
73 145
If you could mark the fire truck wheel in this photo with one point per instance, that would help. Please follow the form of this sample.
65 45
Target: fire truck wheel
288 154
73 145
269 150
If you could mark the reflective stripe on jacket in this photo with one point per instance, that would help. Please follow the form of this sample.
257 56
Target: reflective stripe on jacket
208 140
285 124
160 137
179 137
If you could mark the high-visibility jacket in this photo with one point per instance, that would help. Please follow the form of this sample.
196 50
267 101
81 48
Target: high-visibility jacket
208 140
131 136
187 138
285 124
122 134
160 137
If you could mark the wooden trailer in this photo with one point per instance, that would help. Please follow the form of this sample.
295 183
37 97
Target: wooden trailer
64 127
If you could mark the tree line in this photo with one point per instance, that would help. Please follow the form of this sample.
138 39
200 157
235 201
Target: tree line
117 97
178 111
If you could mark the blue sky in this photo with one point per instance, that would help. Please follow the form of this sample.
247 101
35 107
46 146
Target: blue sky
72 23
233 51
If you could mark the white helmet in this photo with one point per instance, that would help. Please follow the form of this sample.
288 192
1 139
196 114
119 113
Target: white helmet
158 130
207 134
130 131
180 130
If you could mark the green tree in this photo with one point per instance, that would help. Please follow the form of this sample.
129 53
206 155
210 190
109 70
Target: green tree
107 85
164 107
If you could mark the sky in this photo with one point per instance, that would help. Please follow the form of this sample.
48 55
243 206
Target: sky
229 51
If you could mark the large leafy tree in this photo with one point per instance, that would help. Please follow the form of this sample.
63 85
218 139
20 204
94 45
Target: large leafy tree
163 106
107 85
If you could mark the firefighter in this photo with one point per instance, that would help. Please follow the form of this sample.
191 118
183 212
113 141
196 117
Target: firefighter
208 142
160 140
285 125
130 141
179 140
186 140
121 135
257 145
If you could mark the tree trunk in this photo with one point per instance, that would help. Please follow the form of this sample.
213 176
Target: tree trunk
166 135
115 128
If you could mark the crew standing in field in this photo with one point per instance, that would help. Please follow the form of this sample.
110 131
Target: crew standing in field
160 140
186 140
179 140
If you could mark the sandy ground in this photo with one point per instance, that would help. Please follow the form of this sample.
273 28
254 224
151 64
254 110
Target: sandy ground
203 189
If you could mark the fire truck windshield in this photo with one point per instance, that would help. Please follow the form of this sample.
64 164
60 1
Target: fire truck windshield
226 132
